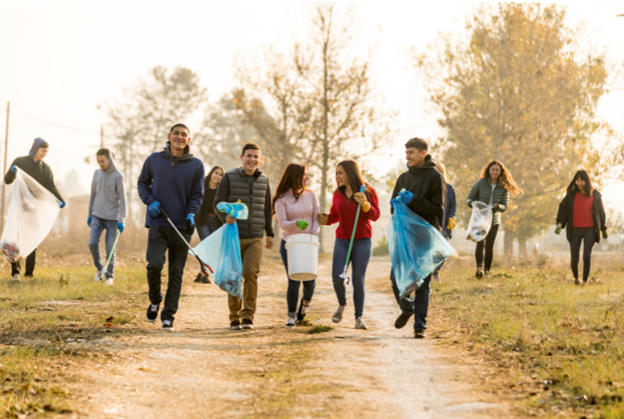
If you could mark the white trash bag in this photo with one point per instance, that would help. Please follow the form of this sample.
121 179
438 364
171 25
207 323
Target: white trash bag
480 221
30 217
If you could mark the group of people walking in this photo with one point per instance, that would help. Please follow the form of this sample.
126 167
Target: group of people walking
173 187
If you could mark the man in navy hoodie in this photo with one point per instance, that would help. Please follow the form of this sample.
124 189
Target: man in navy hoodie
172 180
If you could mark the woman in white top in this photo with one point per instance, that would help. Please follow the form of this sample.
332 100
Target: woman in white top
295 208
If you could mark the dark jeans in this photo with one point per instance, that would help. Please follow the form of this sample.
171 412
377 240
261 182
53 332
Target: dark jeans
488 243
159 240
98 225
360 256
586 236
419 307
212 224
30 265
292 294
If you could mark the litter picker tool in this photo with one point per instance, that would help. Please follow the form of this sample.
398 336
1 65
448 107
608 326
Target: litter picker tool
344 275
112 252
204 266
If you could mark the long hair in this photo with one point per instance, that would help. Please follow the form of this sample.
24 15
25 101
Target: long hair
292 179
589 188
214 169
442 170
354 175
505 177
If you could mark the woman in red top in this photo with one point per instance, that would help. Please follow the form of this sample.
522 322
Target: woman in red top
583 215
343 211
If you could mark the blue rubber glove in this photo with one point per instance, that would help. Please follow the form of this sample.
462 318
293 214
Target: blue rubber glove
190 221
62 204
120 227
406 197
89 220
14 169
154 209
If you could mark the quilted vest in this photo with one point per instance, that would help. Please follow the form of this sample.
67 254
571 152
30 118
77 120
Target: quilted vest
255 199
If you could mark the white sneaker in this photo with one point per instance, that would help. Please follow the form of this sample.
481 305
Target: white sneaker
109 281
16 278
359 324
98 276
337 317
290 324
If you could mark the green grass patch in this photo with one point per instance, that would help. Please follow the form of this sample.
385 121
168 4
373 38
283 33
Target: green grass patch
320 329
559 347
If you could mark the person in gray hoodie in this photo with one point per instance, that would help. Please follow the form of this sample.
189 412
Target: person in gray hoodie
107 211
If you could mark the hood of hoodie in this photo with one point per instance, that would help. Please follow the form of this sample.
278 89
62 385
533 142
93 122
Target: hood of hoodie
427 165
36 146
173 159
112 167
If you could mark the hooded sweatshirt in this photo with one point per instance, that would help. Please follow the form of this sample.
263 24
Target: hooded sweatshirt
426 183
40 171
108 198
177 183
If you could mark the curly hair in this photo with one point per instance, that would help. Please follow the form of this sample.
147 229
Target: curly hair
505 177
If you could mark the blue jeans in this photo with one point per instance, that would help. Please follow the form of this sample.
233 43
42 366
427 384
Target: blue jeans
98 225
419 307
360 256
212 225
292 294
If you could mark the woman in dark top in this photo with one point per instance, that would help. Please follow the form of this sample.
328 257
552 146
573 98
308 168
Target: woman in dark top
207 220
583 215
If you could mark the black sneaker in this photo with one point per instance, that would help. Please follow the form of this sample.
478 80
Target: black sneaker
198 278
152 312
402 320
236 325
167 325
419 334
205 279
247 324
301 313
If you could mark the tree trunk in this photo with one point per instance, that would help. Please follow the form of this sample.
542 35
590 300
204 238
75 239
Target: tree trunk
325 139
522 246
508 243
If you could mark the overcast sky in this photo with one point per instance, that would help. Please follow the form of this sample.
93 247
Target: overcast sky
59 61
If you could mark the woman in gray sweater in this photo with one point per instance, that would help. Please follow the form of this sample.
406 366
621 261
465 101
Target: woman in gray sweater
493 188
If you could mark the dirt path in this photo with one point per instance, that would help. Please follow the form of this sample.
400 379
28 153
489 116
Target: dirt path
204 370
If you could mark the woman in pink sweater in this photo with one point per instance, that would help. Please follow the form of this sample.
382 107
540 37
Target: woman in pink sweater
295 208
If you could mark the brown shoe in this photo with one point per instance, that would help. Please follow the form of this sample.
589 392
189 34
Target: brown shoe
577 281
198 278
479 273
419 334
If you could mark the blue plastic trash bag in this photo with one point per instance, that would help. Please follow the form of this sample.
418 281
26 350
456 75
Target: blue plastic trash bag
237 210
221 250
416 248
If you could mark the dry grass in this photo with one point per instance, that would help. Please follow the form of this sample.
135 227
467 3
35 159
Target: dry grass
558 348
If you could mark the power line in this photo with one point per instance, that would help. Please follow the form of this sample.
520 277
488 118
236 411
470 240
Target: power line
55 124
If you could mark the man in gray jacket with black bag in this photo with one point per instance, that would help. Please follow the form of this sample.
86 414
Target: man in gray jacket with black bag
250 186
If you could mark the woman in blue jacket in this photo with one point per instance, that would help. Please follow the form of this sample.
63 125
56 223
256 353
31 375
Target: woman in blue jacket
448 219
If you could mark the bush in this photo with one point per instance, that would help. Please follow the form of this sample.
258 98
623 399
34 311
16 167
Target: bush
382 247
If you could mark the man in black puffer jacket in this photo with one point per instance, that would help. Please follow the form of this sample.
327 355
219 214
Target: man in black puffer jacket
427 186
250 186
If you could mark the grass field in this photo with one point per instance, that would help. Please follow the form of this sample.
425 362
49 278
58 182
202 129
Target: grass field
557 347
44 317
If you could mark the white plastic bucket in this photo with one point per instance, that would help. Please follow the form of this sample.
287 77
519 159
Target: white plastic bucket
302 251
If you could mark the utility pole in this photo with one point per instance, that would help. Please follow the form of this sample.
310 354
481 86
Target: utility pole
101 136
6 152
